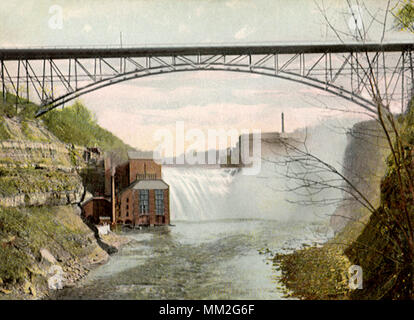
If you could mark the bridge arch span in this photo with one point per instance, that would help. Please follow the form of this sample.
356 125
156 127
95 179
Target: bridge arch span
315 83
340 69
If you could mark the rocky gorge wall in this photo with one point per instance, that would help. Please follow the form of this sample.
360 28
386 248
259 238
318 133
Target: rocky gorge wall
323 272
44 243
36 168
364 166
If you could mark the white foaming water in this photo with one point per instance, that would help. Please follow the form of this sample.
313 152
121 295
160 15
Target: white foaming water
201 194
198 193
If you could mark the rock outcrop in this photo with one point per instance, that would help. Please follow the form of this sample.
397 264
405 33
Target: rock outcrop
44 243
364 166
37 169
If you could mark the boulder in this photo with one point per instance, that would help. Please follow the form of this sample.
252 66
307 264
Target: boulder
57 277
47 256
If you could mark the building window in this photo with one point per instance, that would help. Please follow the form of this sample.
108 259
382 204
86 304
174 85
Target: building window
159 202
144 202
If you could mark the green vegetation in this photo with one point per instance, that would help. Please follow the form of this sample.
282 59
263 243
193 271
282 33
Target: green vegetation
76 125
24 232
25 109
29 180
73 125
4 133
404 15
28 133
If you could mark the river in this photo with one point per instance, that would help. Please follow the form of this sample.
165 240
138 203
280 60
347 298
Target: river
221 259
226 227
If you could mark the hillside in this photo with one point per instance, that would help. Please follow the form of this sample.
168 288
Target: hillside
72 125
43 241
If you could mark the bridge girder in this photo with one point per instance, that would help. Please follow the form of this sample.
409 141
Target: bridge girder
56 76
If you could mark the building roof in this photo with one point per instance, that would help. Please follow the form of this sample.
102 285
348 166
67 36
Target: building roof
149 184
94 199
141 155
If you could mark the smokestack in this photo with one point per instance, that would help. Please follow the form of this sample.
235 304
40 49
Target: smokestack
113 196
283 123
113 199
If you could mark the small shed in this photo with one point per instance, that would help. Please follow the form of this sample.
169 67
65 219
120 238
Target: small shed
97 209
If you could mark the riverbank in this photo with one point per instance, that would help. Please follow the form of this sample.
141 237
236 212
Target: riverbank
362 237
53 249
315 273
111 243
322 272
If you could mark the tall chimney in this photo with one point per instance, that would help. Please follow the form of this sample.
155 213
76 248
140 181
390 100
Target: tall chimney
113 196
113 199
283 123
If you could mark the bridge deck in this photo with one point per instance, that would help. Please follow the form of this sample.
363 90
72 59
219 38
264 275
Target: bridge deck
66 53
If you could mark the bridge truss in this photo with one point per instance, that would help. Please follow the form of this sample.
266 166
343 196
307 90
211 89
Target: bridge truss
54 77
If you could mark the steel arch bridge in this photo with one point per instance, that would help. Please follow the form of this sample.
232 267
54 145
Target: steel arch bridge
55 76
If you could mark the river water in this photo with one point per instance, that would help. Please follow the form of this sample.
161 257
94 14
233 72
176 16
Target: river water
227 225
221 259
219 248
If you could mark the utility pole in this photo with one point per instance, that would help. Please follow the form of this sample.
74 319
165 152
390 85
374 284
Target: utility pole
283 123
113 200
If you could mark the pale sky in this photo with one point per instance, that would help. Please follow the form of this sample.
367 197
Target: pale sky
134 110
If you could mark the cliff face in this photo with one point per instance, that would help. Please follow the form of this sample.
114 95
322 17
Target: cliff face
44 244
44 248
325 270
364 166
383 249
36 168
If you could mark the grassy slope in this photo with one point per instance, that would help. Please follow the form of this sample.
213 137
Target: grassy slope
76 125
25 231
73 125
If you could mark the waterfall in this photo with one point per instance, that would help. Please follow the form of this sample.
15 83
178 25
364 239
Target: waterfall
198 193
202 193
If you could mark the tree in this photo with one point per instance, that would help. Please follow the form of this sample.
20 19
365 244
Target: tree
311 174
404 15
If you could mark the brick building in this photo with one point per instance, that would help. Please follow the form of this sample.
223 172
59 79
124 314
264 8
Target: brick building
136 168
144 202
97 209
138 194
142 197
